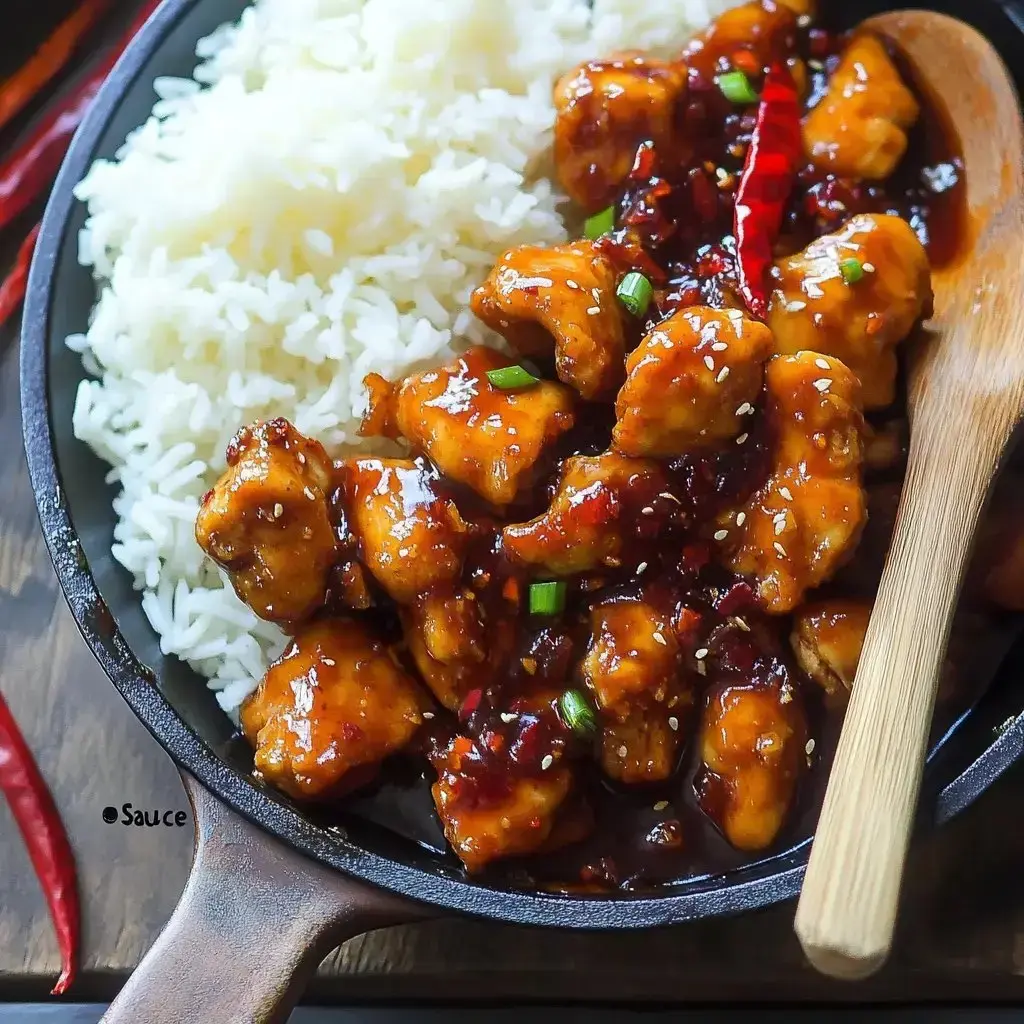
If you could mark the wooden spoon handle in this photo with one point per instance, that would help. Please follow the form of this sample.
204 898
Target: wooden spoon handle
847 909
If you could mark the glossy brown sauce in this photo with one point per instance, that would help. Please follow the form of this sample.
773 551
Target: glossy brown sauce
645 836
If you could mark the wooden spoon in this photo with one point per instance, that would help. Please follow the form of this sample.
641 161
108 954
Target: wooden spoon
966 396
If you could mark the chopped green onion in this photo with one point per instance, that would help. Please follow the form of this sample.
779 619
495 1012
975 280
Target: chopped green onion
547 598
577 713
736 88
852 270
600 224
510 378
635 293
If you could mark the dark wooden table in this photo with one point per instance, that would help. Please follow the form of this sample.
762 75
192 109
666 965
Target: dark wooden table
962 931
963 920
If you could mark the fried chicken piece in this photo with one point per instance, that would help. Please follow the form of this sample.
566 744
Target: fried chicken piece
266 521
765 29
492 808
562 297
753 739
410 536
598 501
859 129
445 637
814 309
329 710
827 639
604 110
806 520
475 433
633 668
691 382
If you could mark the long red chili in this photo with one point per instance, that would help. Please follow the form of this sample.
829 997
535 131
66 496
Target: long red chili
12 290
771 164
47 842
26 175
21 88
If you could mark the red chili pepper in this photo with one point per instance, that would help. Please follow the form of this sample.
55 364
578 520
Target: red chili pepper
767 179
39 822
26 175
21 88
12 291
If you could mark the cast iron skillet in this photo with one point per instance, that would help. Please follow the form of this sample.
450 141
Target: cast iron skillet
305 886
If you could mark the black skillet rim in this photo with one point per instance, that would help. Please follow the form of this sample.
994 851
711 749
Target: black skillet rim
770 881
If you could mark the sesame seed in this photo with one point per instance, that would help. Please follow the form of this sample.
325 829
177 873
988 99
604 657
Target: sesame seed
309 494
780 526
622 751
661 805
745 408
673 723
822 364
735 315
278 510
709 362
722 374
571 284
329 661
721 534
641 567
868 267
740 623
647 510
742 438
781 550
786 493
546 762
809 748
814 65
302 459
593 310
795 305
428 715
719 346
822 383
508 716
741 518
660 639
702 653
702 669
671 497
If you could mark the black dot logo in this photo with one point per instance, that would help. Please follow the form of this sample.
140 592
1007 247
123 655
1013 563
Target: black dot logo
110 815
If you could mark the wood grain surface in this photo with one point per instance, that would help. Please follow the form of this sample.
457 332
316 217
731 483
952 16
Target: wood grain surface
962 925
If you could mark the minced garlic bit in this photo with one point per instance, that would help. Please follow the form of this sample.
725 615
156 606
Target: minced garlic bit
660 805
622 751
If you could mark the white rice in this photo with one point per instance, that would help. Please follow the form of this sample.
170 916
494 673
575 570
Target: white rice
317 202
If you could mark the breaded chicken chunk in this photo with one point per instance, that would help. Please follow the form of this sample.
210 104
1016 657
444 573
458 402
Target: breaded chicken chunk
266 521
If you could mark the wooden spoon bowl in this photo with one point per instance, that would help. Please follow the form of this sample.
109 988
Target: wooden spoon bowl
965 399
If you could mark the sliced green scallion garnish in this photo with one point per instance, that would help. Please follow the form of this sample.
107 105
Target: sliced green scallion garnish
635 293
600 224
852 270
577 713
547 598
736 88
512 378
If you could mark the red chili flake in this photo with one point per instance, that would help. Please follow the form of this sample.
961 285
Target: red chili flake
694 557
38 820
819 42
687 622
704 193
470 703
643 163
765 184
737 598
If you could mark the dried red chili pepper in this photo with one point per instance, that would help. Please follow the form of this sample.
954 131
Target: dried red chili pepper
767 179
26 175
39 822
12 290
22 87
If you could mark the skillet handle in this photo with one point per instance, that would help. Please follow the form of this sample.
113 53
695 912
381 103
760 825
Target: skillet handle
250 929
